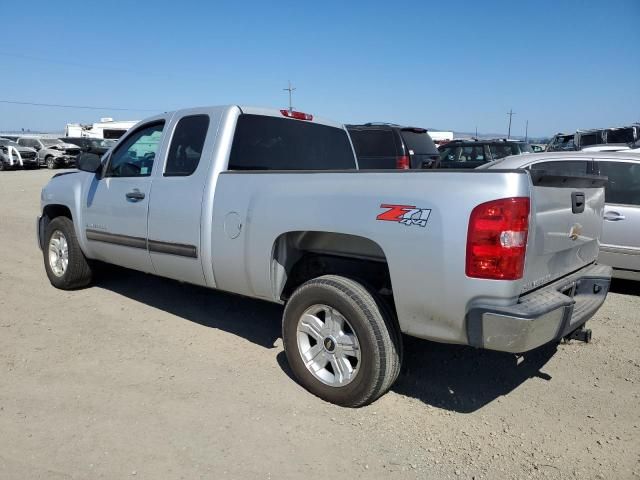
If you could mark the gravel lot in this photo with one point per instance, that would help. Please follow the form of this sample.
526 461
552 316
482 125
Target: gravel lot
143 377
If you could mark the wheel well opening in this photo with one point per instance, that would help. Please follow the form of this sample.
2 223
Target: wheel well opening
53 211
49 213
301 256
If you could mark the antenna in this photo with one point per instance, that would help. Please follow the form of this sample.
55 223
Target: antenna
290 89
526 131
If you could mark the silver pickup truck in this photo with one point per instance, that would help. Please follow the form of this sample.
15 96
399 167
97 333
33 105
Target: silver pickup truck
271 204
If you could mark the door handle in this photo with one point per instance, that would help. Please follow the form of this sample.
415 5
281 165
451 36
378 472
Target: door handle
135 196
613 216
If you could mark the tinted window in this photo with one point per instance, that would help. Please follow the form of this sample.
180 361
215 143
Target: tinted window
419 143
561 143
525 148
501 150
134 157
271 143
468 153
572 167
624 182
620 135
186 146
373 143
593 138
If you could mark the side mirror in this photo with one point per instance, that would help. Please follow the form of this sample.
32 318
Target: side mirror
89 162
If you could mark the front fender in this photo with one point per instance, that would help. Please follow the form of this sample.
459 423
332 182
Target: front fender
67 190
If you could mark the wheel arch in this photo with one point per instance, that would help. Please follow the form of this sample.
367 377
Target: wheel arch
298 256
49 212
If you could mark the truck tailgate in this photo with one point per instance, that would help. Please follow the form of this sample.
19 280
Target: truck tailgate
566 225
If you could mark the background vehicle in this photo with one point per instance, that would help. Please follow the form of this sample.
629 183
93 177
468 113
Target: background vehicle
106 128
98 146
620 246
473 153
52 152
617 136
537 148
271 206
386 146
13 155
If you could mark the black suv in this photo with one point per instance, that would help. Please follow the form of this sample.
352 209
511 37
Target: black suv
472 153
98 146
390 146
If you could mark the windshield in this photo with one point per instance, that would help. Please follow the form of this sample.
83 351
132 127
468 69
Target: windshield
8 143
51 141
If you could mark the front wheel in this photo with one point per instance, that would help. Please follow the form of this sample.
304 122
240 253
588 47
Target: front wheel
340 344
51 163
64 262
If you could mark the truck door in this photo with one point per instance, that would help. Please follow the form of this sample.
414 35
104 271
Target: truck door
176 208
116 205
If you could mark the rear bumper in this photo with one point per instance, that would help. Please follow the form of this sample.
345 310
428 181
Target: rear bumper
542 316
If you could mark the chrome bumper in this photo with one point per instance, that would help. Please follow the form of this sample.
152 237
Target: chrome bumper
541 316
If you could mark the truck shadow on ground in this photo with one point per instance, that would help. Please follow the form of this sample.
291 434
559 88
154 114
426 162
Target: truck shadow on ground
625 287
452 377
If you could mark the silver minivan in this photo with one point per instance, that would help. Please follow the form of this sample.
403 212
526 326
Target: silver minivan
620 245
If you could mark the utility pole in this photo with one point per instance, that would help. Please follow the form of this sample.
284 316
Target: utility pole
290 89
511 113
526 132
476 132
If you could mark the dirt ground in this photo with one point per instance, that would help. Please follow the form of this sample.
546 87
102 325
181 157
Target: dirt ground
143 377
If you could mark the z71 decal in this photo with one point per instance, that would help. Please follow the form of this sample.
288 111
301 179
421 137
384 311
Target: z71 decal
405 214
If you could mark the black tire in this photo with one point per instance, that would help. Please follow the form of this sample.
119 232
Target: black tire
374 327
50 162
78 271
2 166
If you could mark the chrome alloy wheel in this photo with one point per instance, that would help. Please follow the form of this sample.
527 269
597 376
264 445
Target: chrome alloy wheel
58 253
328 345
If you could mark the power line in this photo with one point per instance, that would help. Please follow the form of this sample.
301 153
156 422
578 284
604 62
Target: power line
511 113
85 107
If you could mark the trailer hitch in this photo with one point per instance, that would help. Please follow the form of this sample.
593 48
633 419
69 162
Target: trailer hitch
582 334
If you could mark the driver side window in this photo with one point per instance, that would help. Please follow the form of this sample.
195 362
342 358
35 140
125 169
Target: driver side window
134 158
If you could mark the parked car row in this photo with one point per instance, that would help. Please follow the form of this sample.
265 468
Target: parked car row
33 152
598 139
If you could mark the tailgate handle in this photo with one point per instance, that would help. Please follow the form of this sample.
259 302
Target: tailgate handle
577 202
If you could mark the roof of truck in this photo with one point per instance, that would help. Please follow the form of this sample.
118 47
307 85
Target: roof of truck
271 112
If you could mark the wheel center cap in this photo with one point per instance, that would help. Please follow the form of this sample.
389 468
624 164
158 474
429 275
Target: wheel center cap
329 344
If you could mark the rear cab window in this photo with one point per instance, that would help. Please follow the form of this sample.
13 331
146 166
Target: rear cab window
564 167
271 143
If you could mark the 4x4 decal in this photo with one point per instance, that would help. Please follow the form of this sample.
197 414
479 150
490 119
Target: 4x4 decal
405 214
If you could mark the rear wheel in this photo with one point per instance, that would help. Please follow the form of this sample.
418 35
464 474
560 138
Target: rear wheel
340 344
64 262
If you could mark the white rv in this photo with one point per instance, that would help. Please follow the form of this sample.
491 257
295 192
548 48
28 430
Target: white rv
106 128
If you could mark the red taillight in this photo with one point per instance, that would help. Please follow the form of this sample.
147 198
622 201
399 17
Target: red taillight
497 239
296 115
403 162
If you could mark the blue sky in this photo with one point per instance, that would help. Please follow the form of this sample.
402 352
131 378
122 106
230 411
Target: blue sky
445 64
